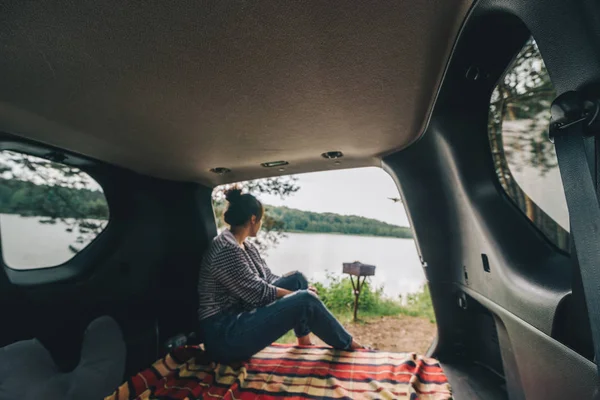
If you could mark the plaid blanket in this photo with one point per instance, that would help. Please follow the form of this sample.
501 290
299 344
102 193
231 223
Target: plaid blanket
284 371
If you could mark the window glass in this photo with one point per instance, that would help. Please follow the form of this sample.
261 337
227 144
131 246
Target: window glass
48 211
524 158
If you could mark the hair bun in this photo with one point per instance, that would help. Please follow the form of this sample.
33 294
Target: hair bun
241 207
232 195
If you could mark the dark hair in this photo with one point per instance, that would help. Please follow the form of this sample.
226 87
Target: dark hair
241 207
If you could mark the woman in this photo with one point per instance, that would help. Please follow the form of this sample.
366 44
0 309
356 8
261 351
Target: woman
244 307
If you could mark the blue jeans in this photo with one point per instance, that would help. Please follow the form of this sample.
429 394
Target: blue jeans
237 337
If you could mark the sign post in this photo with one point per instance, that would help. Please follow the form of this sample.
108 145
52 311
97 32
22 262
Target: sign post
359 270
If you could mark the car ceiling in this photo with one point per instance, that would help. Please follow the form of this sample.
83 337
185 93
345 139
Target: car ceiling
173 89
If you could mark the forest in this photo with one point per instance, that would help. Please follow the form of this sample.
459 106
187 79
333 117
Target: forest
304 221
28 199
284 219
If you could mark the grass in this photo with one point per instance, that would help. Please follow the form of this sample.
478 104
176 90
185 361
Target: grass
419 305
338 296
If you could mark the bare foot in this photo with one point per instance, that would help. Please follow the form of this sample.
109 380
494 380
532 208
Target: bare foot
305 341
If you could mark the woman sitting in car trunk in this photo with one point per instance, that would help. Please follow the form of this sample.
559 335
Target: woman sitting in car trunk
244 307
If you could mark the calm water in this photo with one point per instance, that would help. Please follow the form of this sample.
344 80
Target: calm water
28 244
398 268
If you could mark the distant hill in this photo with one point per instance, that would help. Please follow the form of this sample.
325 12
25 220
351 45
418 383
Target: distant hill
29 199
305 221
293 220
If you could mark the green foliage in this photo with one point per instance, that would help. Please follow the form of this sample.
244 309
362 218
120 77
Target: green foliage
305 221
419 305
291 220
29 199
338 296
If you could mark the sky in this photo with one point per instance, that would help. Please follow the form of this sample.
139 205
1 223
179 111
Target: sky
363 192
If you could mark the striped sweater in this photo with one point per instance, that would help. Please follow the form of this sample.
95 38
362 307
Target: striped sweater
233 279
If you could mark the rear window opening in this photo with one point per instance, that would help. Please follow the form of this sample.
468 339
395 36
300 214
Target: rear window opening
316 222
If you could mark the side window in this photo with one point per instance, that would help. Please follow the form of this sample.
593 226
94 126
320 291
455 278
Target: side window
48 211
524 158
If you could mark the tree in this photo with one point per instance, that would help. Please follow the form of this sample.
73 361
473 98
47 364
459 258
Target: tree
306 221
518 132
272 230
33 186
520 112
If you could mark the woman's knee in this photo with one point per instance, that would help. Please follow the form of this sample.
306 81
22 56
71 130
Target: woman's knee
306 298
299 278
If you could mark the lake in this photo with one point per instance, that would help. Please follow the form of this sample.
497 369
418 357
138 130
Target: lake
398 268
27 243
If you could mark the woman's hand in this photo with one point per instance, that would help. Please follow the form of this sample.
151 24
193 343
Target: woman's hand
282 292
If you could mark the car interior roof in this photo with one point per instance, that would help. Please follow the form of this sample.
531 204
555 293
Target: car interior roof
173 91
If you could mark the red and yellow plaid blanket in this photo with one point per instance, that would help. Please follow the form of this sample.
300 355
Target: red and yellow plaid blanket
283 371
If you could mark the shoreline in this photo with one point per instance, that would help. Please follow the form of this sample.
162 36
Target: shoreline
347 234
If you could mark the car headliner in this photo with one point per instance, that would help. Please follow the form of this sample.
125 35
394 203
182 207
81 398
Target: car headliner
173 89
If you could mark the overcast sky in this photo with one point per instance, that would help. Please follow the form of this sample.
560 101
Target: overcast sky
363 192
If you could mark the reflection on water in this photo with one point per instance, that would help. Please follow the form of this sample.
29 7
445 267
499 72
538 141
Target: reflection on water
28 244
397 262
